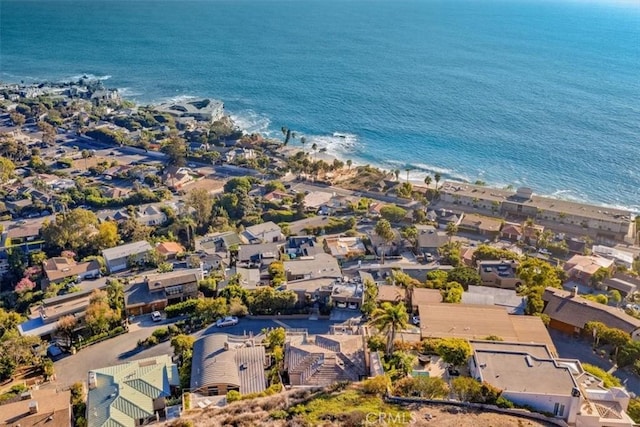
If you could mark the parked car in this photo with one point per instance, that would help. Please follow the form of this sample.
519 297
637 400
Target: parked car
353 305
227 321
415 320
156 316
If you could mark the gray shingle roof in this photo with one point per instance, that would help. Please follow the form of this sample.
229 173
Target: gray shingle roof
213 364
124 251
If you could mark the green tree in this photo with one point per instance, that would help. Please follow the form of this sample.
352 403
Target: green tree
452 230
385 232
115 294
202 203
67 326
615 296
99 316
275 338
535 272
241 184
182 345
108 236
176 150
6 169
427 180
210 309
455 351
393 213
17 118
465 276
389 319
70 231
452 293
400 364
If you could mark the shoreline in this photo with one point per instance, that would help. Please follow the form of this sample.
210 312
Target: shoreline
329 140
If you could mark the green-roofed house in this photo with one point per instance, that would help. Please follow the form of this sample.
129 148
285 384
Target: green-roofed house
130 394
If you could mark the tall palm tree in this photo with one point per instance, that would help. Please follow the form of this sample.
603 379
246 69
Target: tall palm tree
397 174
388 319
437 178
385 232
314 148
349 163
427 180
408 169
303 141
188 224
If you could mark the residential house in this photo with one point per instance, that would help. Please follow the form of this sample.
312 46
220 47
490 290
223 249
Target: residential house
36 408
484 295
347 295
625 284
342 248
475 322
392 294
222 363
259 255
444 216
388 248
118 216
316 199
569 313
323 360
151 215
305 225
529 375
318 266
302 246
511 231
423 296
58 269
499 274
204 110
430 239
582 267
263 233
238 154
119 257
313 291
169 250
26 236
480 224
277 196
131 394
157 291
43 319
218 242
175 178
623 258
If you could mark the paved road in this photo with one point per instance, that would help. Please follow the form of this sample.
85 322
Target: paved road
572 348
124 348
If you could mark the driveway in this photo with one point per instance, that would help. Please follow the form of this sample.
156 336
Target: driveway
124 348
574 348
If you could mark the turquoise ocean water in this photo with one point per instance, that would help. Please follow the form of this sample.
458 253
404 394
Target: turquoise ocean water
524 92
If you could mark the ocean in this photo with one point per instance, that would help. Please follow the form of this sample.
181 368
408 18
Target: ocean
538 93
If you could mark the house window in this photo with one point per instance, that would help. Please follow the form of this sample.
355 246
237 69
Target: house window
558 410
212 391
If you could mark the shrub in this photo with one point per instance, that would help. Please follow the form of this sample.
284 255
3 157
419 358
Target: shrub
161 334
151 341
181 308
279 415
377 385
607 379
233 396
503 402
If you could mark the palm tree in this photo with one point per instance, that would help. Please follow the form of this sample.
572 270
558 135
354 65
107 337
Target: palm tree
388 319
397 174
349 163
437 178
427 180
189 225
303 141
314 148
408 169
452 229
85 155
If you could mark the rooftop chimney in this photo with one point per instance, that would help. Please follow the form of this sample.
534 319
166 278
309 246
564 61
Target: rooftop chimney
575 291
33 407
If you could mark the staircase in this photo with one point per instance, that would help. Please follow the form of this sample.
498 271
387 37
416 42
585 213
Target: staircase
330 372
